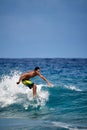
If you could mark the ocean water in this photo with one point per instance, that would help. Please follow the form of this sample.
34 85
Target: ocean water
61 107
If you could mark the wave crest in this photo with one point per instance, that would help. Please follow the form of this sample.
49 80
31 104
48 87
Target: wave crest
71 87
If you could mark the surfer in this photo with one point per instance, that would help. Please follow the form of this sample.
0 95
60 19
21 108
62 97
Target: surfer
25 78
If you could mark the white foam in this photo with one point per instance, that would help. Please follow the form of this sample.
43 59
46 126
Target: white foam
71 87
63 125
11 93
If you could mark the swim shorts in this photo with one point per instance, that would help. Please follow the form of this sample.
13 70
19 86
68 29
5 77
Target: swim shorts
28 83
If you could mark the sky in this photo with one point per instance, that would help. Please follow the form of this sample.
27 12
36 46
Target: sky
43 28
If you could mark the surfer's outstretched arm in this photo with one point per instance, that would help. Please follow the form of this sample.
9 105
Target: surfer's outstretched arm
41 76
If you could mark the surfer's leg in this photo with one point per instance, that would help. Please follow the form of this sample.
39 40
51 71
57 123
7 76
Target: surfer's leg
34 90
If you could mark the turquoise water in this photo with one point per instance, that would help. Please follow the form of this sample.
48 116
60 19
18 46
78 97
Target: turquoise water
62 107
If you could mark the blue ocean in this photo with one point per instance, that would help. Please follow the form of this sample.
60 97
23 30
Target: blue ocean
60 107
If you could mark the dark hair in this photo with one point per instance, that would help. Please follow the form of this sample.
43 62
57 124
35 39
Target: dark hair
36 68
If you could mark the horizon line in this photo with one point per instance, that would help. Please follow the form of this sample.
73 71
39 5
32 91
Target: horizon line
43 57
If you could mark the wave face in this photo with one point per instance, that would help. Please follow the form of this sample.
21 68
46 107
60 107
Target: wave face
64 106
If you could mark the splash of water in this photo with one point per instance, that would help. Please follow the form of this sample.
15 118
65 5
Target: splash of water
71 87
11 93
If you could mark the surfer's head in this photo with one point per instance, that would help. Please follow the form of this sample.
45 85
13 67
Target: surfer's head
37 68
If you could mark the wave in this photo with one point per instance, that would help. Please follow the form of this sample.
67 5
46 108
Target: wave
63 125
72 87
67 87
22 123
11 93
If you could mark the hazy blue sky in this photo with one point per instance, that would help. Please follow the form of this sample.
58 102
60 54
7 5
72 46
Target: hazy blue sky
43 28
